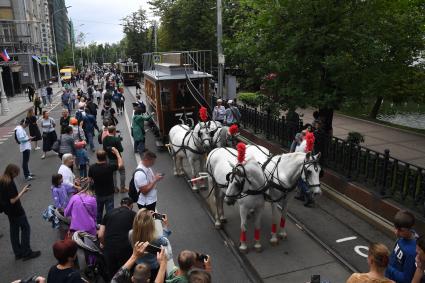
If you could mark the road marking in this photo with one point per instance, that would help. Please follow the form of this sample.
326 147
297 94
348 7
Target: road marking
3 139
127 121
358 250
346 239
8 136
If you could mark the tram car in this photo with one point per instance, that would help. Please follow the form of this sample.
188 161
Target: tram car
129 71
176 85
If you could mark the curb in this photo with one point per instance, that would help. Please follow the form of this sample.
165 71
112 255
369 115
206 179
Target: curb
359 210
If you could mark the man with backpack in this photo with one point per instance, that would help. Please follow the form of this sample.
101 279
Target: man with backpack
143 183
108 113
24 142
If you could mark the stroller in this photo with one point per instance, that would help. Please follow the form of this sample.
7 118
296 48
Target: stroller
90 258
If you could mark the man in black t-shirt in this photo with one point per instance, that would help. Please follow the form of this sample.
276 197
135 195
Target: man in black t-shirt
112 140
113 234
101 174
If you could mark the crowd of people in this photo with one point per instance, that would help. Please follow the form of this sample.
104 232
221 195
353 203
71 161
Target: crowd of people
83 192
134 249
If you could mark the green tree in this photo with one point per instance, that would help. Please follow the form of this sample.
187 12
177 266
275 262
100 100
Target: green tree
327 52
136 30
65 58
186 24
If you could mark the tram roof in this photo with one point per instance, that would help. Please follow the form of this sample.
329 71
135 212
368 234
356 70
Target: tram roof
164 76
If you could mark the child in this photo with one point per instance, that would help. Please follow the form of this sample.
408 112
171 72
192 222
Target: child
61 192
81 158
402 260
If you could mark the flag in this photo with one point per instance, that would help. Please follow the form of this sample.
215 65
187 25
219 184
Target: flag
5 56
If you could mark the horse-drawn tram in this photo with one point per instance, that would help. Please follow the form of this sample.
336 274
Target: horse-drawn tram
129 71
176 86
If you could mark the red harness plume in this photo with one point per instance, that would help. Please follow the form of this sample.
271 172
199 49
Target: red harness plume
203 114
309 137
233 129
241 147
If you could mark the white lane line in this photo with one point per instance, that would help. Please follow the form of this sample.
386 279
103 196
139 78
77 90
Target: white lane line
346 239
3 139
8 136
127 121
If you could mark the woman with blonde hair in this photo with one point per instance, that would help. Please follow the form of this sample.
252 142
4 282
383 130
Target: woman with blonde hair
377 259
144 231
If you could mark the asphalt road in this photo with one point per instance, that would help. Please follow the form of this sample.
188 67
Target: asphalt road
294 260
188 219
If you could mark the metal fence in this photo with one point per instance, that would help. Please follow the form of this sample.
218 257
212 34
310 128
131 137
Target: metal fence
384 175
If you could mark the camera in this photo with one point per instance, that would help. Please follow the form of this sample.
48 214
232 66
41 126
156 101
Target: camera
158 216
32 279
201 257
108 149
315 279
153 249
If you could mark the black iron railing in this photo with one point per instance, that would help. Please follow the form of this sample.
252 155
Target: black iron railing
387 176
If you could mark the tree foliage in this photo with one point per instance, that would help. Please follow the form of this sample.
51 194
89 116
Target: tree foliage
137 32
186 24
327 52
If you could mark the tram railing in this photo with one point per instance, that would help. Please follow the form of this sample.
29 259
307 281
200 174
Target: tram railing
384 175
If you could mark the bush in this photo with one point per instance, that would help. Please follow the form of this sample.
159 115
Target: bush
355 138
250 98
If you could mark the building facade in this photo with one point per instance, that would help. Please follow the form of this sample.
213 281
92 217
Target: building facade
60 20
25 36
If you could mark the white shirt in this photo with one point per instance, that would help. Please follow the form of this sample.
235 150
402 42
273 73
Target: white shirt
23 138
142 179
219 112
67 175
301 146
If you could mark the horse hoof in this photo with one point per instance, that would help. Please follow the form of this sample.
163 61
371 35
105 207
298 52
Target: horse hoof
176 174
217 225
223 220
258 248
181 173
282 235
195 188
274 241
243 248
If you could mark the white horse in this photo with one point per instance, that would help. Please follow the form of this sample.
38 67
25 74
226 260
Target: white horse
283 173
192 144
243 182
224 137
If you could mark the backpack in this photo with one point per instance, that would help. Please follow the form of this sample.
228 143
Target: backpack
16 138
133 193
107 114
116 97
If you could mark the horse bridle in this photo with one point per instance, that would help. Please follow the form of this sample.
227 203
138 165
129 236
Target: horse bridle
210 133
307 164
230 177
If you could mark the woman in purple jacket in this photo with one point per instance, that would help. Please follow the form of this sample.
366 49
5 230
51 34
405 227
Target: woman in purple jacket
82 210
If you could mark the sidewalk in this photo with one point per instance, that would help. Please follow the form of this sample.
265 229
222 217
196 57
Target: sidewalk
20 104
404 145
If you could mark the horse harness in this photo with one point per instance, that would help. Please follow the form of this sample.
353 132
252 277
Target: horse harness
188 136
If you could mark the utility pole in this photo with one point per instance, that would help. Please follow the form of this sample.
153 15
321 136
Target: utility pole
220 54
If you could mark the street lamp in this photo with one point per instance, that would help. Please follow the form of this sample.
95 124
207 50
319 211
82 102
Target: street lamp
54 39
73 47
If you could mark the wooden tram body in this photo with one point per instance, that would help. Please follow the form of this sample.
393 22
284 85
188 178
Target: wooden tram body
129 71
168 84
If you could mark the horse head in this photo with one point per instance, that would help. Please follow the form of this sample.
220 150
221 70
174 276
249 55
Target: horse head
204 133
311 172
246 178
